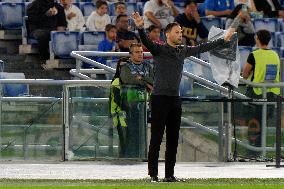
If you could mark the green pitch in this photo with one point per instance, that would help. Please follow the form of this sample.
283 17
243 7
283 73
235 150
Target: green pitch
138 184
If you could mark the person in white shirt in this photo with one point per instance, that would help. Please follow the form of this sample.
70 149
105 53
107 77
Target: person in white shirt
99 18
159 13
74 16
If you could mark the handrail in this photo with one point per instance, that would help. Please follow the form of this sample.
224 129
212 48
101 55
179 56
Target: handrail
55 82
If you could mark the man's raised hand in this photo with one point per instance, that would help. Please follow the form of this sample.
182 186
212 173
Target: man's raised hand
138 20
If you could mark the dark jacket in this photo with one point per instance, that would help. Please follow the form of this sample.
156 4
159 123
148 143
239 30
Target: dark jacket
129 72
38 20
168 62
263 5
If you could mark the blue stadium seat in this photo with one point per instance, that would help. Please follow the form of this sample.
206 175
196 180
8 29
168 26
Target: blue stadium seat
92 38
131 7
244 52
270 24
209 22
11 15
280 39
278 50
26 34
63 43
87 8
111 9
14 89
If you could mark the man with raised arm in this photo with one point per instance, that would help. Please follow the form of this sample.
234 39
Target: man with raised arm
165 100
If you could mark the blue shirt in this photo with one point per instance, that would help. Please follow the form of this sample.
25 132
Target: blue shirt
216 5
105 46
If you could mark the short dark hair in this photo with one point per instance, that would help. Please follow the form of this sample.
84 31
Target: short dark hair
264 36
99 3
119 16
188 2
170 26
132 45
119 3
109 27
152 27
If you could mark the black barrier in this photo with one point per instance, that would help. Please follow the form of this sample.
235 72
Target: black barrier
278 134
278 101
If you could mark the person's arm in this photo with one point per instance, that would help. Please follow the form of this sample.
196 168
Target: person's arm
204 47
247 70
91 23
81 20
149 78
139 23
218 13
153 19
175 11
248 67
129 79
61 19
252 6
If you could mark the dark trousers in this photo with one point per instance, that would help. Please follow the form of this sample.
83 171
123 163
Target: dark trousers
166 112
43 38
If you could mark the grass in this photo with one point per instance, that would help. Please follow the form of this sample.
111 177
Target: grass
137 184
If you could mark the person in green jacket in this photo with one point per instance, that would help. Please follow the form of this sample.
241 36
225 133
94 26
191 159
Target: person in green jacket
131 83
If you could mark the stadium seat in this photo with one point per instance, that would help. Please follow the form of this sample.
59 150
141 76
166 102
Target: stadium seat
280 39
244 52
11 15
14 89
63 43
26 35
270 24
92 38
87 8
209 22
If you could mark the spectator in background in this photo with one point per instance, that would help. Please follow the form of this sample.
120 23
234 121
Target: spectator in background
159 12
74 16
108 44
154 34
217 7
270 8
120 8
99 18
191 24
249 3
241 20
45 16
124 37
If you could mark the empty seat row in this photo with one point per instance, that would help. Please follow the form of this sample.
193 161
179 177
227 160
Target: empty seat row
63 43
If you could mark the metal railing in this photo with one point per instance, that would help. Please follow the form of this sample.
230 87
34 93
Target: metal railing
66 84
80 55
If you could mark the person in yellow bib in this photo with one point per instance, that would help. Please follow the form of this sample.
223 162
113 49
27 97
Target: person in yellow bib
263 65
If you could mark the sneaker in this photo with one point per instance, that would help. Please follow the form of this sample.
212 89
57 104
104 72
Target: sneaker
172 179
154 179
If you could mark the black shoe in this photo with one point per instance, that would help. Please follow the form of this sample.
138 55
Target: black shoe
172 179
154 179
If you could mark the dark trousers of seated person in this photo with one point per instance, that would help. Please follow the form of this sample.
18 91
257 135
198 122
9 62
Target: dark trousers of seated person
43 38
166 113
